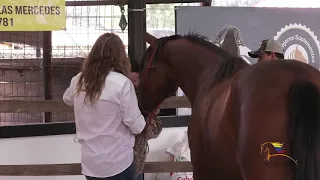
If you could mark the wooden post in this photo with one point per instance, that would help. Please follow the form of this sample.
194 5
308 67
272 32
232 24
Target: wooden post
47 71
136 28
75 169
208 3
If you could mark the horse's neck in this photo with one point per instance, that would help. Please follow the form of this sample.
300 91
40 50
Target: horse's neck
192 75
195 69
199 79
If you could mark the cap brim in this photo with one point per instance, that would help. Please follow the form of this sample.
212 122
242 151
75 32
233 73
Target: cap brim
254 54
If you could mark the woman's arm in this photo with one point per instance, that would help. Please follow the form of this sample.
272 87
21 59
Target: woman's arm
68 95
132 114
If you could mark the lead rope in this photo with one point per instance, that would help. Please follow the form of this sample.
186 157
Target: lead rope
226 28
154 128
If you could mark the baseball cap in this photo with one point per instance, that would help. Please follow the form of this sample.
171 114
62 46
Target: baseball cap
269 45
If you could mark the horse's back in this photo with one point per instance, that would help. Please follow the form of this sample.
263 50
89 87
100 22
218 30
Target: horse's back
233 119
265 86
262 91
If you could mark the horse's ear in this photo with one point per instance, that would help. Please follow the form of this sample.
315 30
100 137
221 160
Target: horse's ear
150 39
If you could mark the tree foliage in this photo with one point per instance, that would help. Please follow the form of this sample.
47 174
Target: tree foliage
236 2
162 16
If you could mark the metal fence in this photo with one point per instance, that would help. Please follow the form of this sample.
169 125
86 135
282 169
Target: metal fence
21 54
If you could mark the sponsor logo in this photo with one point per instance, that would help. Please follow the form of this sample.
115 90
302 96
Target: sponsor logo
182 176
274 149
299 43
185 178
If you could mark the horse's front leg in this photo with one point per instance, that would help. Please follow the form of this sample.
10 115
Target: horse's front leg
199 171
198 158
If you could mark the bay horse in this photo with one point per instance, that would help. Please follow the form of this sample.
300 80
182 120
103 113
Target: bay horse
241 113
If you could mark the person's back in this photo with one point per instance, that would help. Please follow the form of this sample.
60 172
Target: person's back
107 118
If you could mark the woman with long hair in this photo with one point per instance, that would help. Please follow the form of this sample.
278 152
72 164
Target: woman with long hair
106 111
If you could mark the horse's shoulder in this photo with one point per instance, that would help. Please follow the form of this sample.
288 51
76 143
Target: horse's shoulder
214 99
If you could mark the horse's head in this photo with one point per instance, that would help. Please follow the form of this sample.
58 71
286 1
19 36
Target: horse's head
264 148
156 77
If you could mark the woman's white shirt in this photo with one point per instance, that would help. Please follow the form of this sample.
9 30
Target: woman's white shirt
106 130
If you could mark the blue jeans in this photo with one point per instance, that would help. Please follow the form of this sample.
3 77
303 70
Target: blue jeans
128 174
140 177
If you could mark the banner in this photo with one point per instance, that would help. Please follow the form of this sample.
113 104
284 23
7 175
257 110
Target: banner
297 29
32 15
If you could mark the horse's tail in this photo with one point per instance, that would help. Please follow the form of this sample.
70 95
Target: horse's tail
304 120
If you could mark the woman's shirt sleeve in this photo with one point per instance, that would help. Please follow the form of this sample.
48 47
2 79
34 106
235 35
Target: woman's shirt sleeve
132 114
68 95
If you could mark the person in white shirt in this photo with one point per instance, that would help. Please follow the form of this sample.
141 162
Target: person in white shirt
107 115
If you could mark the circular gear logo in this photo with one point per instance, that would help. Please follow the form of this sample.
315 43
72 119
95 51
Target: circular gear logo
299 43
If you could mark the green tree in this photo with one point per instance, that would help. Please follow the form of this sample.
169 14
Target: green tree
162 16
235 2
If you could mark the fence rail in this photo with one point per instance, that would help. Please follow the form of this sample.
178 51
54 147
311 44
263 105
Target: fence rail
75 169
18 106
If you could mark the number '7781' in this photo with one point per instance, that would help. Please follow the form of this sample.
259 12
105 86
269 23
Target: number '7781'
6 21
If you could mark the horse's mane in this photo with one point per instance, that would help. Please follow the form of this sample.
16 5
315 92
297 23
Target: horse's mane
160 44
228 65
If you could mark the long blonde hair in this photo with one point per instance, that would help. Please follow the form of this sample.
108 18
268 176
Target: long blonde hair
108 53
